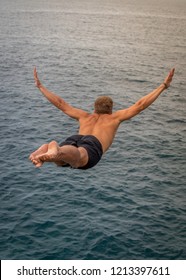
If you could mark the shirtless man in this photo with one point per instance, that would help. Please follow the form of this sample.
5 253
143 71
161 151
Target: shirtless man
96 130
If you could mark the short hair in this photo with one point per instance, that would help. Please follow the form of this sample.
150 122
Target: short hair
103 105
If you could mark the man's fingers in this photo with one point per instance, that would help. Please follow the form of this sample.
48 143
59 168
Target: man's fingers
35 72
37 81
172 72
168 79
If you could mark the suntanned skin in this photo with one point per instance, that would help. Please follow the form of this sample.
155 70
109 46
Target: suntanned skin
102 126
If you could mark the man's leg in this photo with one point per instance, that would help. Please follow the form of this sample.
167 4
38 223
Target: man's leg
75 157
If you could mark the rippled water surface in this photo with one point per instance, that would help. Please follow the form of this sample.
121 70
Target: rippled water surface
132 205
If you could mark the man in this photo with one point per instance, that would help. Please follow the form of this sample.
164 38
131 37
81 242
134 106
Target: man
96 130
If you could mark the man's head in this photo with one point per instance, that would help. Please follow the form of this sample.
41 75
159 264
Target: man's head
103 105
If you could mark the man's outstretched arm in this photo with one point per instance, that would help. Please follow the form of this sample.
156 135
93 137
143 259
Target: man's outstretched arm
59 102
145 101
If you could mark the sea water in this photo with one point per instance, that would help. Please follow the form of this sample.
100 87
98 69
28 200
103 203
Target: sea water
132 205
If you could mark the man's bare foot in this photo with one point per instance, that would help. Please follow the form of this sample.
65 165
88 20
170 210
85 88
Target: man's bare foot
50 156
47 153
47 157
40 151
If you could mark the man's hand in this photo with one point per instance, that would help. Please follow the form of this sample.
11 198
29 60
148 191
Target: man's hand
168 79
37 81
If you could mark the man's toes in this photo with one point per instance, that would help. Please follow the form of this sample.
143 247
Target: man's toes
39 164
31 157
34 161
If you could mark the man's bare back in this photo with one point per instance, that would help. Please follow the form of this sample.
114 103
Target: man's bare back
103 127
96 130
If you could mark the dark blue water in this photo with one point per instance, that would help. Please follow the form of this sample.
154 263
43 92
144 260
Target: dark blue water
132 205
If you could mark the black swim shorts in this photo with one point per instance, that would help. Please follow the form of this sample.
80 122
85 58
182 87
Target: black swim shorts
90 143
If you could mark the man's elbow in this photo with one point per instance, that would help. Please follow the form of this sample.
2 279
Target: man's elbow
140 106
64 106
